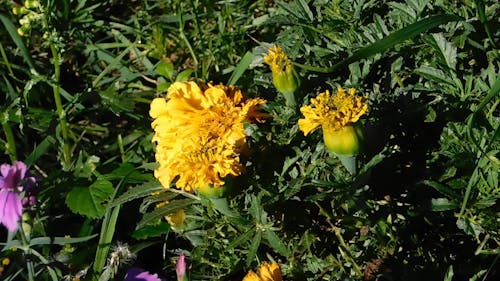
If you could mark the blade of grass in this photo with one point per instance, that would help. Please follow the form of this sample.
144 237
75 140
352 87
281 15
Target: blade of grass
387 42
240 68
11 29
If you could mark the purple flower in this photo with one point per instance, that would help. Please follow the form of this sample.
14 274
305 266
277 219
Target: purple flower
181 268
138 274
11 184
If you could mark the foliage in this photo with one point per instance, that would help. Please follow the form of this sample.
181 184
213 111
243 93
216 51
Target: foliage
78 77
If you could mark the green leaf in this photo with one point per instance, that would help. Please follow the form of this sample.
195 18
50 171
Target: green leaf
434 74
117 102
48 241
254 247
149 231
276 243
11 29
443 204
184 75
242 238
469 227
445 190
137 192
445 51
240 68
449 274
40 150
90 201
390 41
221 205
166 69
158 213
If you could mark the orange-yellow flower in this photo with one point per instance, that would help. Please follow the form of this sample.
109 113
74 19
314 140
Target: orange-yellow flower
267 272
285 78
337 116
199 134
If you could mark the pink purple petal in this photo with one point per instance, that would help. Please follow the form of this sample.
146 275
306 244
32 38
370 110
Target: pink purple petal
10 209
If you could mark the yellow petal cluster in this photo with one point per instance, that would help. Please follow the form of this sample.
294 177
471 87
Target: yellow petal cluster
199 133
267 272
277 59
285 78
332 112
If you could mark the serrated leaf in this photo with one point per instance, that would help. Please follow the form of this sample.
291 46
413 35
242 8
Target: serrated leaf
443 204
276 243
117 102
221 205
242 238
137 192
158 213
469 227
434 74
445 51
149 231
90 201
445 190
253 247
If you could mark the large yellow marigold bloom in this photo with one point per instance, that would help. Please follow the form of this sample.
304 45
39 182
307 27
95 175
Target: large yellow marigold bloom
267 272
199 134
332 112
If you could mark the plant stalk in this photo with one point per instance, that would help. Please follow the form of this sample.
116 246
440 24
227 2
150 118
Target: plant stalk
9 136
59 107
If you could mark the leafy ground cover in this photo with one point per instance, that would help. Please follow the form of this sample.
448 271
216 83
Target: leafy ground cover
249 140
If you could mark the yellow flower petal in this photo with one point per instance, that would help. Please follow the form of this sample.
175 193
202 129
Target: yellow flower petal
270 272
252 276
199 133
158 107
332 112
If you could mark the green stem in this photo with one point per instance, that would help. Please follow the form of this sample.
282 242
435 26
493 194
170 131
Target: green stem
290 99
27 253
4 56
9 136
185 39
59 107
341 240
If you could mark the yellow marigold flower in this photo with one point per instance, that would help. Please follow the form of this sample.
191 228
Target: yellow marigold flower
285 78
5 261
267 272
199 134
336 115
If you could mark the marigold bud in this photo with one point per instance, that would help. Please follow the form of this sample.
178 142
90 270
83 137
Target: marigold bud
347 140
211 191
285 78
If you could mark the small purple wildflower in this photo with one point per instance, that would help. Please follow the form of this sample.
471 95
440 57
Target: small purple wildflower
181 268
12 179
138 274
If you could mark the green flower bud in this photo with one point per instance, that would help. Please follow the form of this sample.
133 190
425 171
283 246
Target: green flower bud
23 30
286 81
211 191
19 10
347 140
24 21
285 78
31 4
